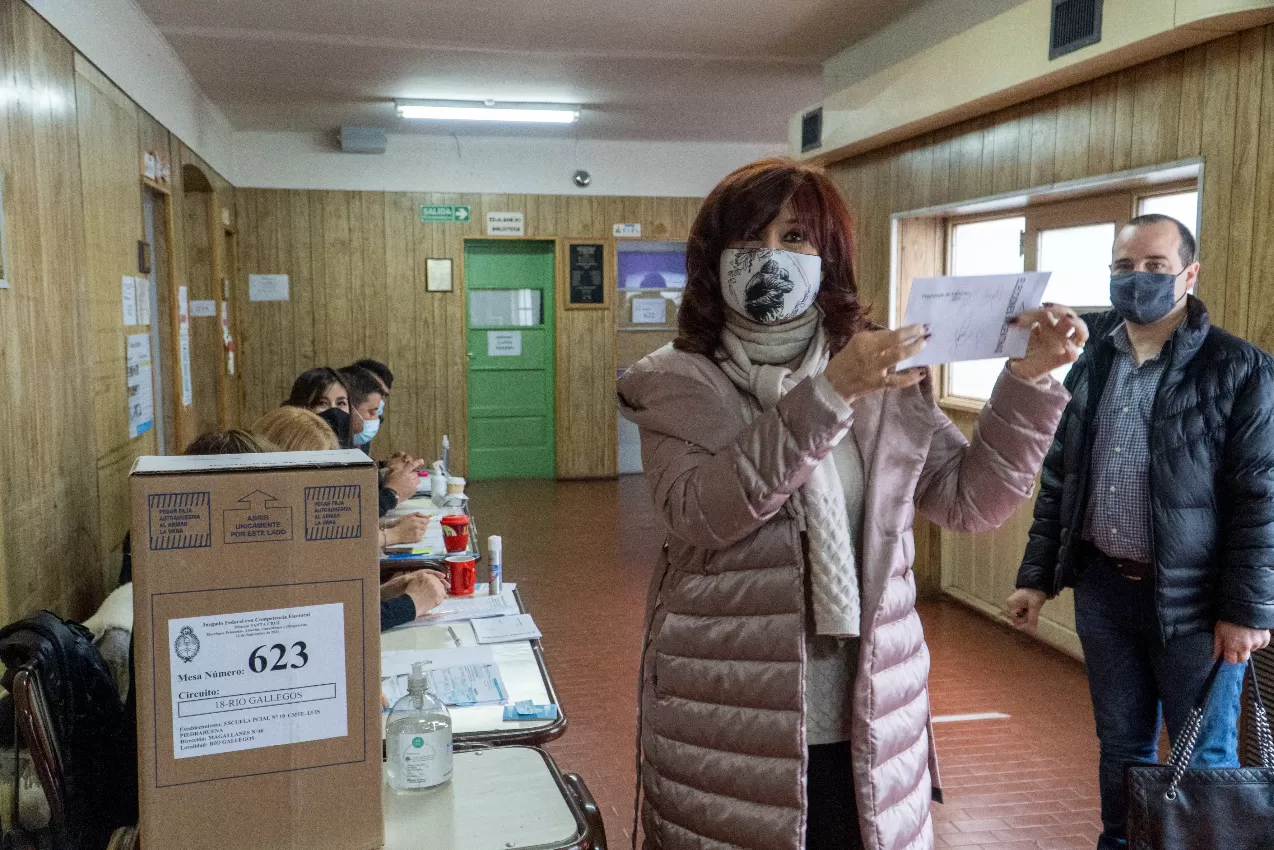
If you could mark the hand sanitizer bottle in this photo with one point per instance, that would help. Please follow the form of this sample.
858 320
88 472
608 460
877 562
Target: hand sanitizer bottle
419 738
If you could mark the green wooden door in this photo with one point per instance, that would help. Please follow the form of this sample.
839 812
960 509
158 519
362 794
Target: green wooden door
509 313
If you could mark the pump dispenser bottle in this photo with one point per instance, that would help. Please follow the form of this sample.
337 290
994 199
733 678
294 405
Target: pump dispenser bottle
419 737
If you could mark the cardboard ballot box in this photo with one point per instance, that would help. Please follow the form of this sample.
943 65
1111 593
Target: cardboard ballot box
257 643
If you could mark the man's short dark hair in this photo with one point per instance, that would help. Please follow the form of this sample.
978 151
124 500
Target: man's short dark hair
1188 246
380 370
360 383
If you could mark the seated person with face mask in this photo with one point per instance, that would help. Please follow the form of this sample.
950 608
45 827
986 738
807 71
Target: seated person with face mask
403 598
385 377
367 400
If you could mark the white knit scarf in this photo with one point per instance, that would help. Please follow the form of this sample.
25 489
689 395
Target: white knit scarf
759 360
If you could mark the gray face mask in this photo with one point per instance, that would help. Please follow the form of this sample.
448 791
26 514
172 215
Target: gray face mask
1144 298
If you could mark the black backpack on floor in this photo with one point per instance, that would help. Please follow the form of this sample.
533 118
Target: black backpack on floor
100 774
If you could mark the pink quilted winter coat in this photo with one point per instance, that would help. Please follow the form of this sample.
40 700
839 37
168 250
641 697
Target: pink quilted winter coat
722 738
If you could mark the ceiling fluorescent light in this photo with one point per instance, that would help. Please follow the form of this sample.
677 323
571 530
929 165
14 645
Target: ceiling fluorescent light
527 113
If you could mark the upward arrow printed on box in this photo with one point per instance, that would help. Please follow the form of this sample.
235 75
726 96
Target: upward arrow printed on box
257 500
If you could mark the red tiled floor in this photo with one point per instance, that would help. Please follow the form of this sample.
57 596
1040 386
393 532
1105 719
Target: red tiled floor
582 553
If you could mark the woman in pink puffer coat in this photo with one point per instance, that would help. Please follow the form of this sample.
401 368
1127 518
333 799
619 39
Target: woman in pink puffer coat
785 675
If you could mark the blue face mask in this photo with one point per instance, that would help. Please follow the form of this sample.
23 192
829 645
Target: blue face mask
1144 298
380 409
370 427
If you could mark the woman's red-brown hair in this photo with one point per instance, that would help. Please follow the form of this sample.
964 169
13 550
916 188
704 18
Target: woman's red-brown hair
738 210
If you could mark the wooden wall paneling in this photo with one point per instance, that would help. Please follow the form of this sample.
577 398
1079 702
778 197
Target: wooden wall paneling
1248 138
1125 97
183 424
375 278
1005 154
50 554
358 289
1102 126
324 331
267 357
1214 101
338 283
1075 110
1156 111
1260 306
1190 120
940 177
112 215
297 248
1220 105
247 325
585 400
197 211
207 199
967 156
402 423
1043 154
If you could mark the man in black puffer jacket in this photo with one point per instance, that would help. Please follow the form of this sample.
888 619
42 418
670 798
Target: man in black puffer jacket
1157 506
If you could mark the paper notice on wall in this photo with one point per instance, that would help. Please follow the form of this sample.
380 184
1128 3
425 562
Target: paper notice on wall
650 311
267 287
504 343
968 316
128 295
257 679
506 224
202 309
141 392
142 286
183 345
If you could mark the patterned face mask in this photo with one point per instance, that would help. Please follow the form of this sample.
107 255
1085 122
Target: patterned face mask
769 286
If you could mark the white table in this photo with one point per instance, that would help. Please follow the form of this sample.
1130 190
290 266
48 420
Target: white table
522 668
507 798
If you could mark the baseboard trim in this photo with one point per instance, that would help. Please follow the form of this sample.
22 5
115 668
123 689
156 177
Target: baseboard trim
1057 636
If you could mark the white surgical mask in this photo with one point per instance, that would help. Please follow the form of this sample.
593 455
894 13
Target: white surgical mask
370 427
769 286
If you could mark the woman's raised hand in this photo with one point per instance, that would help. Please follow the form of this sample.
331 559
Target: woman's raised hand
1057 335
866 364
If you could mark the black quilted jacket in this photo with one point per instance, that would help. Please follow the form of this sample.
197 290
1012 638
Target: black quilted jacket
1211 478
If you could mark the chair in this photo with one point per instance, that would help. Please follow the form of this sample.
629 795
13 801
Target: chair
36 728
592 814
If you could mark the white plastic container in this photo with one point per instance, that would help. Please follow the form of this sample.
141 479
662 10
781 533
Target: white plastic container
418 735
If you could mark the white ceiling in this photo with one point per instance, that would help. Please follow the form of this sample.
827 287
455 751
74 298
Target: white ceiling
711 70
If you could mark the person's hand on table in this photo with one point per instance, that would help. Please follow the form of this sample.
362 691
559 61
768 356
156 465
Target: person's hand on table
406 529
402 479
1057 335
399 459
427 589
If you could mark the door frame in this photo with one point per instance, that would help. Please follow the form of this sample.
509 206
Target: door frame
464 328
181 435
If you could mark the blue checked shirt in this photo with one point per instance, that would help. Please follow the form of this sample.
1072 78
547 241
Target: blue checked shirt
1118 520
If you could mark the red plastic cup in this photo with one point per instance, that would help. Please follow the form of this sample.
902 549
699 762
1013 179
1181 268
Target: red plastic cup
463 572
455 533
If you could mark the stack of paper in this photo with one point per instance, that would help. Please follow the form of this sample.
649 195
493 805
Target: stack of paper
459 677
504 629
458 609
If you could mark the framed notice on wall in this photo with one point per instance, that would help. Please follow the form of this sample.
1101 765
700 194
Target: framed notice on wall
586 276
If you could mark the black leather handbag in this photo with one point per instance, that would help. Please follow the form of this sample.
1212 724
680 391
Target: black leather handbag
1174 807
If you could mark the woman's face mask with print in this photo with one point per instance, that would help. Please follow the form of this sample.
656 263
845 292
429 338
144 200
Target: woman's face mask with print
767 285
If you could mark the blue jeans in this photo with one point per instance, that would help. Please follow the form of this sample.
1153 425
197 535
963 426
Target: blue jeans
1137 682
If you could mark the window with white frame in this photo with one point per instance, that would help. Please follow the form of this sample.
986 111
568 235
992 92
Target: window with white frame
1072 239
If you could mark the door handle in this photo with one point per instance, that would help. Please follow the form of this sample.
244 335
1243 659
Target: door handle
469 354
